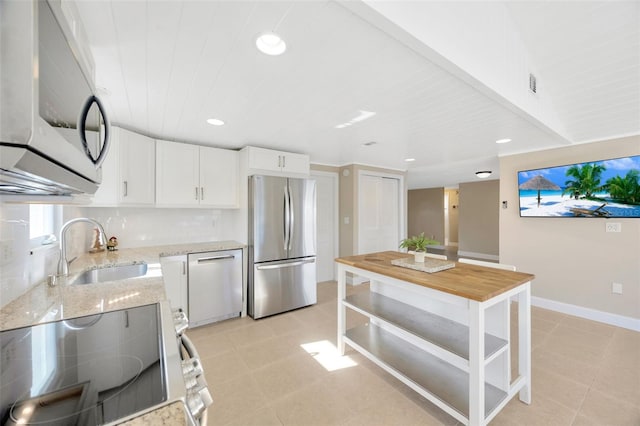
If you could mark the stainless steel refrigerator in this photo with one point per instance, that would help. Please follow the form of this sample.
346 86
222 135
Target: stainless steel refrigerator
282 245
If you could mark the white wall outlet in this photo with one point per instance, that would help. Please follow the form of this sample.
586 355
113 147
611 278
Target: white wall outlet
616 288
346 220
613 227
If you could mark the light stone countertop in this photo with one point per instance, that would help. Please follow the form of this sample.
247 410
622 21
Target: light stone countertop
44 303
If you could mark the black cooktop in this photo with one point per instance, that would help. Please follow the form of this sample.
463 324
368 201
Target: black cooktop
84 371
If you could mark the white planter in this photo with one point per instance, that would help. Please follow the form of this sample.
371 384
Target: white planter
419 256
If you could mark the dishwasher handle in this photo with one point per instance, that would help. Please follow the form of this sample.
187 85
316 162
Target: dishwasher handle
285 265
214 258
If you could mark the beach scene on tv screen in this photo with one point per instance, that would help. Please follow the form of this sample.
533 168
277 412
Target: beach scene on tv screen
607 188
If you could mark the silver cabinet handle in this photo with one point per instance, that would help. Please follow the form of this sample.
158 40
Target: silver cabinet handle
214 258
184 268
201 193
196 192
285 265
284 161
126 188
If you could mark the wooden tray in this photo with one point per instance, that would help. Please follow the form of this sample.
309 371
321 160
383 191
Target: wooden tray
429 265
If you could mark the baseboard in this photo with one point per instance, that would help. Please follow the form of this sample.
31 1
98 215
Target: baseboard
478 255
587 313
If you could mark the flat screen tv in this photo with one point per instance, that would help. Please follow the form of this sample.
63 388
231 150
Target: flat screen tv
607 188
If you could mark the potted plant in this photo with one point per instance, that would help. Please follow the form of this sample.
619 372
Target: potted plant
418 244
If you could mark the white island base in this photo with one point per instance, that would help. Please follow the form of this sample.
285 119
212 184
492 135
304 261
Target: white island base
434 336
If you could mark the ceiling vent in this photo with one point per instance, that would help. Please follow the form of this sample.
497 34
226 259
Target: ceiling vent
533 83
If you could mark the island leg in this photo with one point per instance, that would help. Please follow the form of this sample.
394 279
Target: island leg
476 363
524 336
342 292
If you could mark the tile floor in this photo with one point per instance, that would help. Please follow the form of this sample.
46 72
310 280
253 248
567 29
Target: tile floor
584 373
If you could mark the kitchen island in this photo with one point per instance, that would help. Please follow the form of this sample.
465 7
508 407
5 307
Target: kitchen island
444 334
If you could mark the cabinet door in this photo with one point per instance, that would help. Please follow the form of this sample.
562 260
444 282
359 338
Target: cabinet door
177 174
137 169
295 163
265 159
218 177
107 193
174 274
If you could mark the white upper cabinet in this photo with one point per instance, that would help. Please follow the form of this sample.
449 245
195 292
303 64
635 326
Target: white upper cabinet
218 177
195 176
128 173
279 163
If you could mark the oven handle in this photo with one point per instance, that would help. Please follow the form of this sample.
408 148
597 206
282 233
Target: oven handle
190 348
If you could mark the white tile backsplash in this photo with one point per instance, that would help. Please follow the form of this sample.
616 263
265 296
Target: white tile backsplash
142 227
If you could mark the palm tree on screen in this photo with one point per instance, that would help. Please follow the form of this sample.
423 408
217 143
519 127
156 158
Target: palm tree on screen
625 189
586 180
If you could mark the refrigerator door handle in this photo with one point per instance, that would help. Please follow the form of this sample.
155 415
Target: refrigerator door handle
291 218
285 265
287 217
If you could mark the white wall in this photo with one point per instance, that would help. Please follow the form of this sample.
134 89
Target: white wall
574 259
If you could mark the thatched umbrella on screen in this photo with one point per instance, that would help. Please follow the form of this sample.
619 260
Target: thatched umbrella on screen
539 183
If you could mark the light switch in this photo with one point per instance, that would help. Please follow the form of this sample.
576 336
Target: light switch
346 220
613 227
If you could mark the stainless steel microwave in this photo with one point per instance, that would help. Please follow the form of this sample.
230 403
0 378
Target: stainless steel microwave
54 132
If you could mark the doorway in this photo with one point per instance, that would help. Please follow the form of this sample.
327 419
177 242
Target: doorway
326 224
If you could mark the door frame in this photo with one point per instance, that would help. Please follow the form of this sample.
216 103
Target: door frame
336 213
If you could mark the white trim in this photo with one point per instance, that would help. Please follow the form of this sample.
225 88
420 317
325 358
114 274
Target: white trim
336 214
478 255
587 313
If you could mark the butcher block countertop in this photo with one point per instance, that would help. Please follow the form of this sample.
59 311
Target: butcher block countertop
473 282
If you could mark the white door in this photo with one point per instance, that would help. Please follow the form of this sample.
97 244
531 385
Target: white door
326 224
378 214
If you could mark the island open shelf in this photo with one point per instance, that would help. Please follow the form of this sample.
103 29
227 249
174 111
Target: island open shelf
446 335
435 378
441 332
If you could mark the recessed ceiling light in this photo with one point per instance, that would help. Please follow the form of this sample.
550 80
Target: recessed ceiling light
215 122
483 174
408 160
271 44
503 140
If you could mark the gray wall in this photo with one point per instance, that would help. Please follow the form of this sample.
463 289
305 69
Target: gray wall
426 213
479 219
574 259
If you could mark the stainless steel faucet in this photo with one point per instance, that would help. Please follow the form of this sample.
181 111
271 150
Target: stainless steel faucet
63 264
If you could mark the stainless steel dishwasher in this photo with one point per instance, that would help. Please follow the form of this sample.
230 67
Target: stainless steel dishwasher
215 286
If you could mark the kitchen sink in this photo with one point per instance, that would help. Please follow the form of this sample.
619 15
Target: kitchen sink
111 273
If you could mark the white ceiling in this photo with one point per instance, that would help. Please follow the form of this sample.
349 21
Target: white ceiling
164 67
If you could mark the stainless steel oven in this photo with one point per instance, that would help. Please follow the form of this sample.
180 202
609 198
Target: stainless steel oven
100 369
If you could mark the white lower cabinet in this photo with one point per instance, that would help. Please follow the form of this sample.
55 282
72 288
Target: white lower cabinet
196 176
174 274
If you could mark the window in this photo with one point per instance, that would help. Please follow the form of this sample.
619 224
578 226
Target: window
43 220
